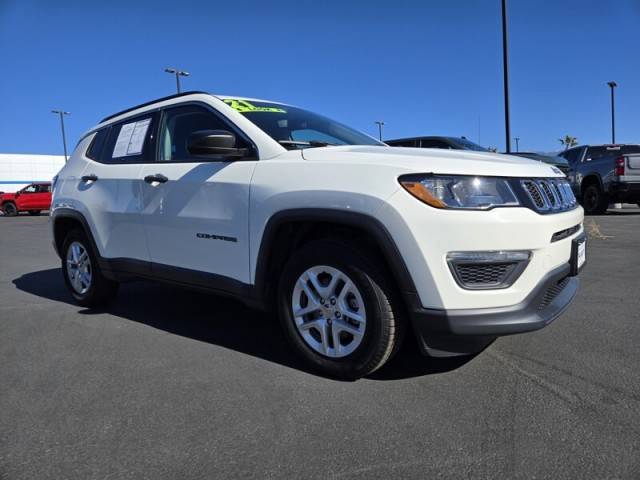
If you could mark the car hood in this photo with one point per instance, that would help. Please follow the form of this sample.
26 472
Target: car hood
428 160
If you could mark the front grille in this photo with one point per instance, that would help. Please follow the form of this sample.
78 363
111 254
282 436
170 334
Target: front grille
552 292
549 194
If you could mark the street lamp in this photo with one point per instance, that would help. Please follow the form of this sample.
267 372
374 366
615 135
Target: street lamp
613 85
62 113
505 71
380 124
178 74
517 139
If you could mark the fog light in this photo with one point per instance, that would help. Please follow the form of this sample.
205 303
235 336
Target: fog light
487 270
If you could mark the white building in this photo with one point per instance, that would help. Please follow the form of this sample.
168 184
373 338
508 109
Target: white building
19 170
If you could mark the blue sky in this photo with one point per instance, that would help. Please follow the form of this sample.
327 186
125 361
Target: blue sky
424 67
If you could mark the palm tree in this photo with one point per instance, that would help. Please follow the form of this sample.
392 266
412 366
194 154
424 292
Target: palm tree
568 141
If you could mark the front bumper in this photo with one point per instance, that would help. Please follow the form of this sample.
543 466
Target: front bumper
459 332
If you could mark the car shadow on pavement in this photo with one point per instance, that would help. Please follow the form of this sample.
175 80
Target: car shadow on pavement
219 321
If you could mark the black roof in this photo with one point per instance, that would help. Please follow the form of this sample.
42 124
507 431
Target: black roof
176 95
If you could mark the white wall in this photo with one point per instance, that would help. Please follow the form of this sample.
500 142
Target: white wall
19 170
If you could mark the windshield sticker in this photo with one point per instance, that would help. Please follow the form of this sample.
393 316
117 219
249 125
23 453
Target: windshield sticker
243 106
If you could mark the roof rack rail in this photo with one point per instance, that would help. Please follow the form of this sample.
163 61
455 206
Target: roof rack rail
176 95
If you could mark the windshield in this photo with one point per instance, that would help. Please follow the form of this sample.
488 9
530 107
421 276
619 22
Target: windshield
297 128
469 145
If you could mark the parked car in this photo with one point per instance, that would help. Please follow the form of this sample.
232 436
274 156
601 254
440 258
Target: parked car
33 199
604 174
447 143
559 162
349 239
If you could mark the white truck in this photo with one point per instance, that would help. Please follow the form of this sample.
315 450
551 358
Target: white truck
355 243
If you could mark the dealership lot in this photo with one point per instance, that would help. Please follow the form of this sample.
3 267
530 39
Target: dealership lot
167 383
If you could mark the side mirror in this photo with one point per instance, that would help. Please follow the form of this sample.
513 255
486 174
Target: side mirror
216 143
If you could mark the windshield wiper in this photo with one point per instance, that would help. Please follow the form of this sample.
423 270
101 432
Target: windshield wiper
310 143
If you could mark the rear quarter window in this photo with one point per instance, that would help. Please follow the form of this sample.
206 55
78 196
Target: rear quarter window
97 144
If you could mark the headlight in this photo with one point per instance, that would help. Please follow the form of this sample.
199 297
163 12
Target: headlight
458 191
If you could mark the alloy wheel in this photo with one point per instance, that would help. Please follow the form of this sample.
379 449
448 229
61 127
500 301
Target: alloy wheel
328 311
78 268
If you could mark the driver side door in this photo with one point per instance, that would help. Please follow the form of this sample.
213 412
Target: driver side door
195 208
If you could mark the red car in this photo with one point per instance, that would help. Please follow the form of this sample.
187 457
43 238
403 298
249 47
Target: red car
33 199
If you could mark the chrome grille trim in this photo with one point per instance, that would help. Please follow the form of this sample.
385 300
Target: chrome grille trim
549 194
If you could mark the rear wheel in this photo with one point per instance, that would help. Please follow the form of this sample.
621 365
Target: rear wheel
82 273
337 310
10 209
34 212
594 200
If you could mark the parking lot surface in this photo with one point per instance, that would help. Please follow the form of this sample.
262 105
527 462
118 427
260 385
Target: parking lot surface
168 383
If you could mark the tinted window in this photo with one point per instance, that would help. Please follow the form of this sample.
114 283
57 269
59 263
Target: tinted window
434 143
402 143
630 149
95 149
130 141
43 188
599 152
178 123
466 144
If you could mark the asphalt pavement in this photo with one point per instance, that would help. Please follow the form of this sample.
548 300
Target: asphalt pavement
173 384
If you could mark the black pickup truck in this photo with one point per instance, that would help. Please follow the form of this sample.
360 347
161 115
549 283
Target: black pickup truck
604 174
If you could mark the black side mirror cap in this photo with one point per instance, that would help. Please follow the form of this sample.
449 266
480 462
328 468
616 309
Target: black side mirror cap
215 143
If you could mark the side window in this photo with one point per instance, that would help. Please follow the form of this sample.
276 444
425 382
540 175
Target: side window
595 153
402 143
95 149
179 123
433 143
131 141
29 189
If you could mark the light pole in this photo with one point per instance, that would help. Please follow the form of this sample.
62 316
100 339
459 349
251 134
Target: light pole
505 69
178 74
517 139
62 113
380 124
613 85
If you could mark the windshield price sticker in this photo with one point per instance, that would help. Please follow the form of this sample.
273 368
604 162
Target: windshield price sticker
131 139
243 106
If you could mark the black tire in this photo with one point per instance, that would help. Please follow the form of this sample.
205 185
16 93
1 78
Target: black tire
101 290
34 212
10 209
384 328
594 200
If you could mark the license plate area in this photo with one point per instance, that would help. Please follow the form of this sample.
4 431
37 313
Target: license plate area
578 254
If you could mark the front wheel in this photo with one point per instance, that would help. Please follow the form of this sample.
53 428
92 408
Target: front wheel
10 209
594 200
82 274
337 310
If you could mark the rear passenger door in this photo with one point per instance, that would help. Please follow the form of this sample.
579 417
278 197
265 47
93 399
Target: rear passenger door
111 188
196 217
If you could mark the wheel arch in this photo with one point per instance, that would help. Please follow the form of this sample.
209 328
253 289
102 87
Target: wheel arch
589 179
64 220
295 226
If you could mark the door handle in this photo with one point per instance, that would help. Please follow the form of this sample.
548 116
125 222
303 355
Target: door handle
157 178
89 178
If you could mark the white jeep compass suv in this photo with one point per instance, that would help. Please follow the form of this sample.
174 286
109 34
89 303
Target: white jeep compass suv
354 242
